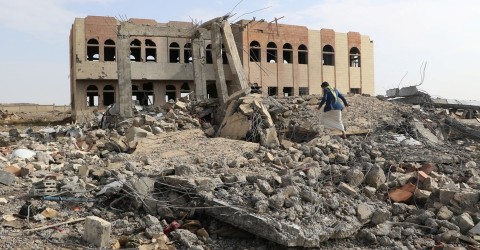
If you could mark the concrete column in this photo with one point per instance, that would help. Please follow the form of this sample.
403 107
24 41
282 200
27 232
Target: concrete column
239 79
199 69
159 93
124 75
218 64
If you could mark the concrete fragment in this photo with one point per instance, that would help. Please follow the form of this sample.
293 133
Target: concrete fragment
365 212
464 222
380 216
184 170
150 220
264 187
375 177
444 213
97 231
346 189
133 133
187 238
23 153
6 178
475 230
354 177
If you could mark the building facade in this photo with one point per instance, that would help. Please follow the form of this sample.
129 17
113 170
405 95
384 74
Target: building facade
283 60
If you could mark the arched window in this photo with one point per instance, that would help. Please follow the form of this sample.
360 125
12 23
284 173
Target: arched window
135 51
328 55
271 52
174 53
170 93
354 57
185 90
92 96
108 95
208 54
287 53
187 53
255 51
109 50
224 56
302 54
147 98
150 51
93 50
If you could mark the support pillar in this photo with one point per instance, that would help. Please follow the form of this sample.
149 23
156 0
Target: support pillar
218 64
124 75
199 69
239 79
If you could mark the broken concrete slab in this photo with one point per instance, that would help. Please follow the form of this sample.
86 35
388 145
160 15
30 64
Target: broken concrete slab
97 231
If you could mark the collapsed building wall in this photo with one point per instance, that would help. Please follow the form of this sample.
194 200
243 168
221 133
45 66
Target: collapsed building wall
298 61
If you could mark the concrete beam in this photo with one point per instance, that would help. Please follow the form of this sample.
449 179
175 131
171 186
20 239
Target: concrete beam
131 29
239 79
199 69
218 64
124 92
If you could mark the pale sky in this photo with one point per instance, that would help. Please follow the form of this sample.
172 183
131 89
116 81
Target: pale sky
34 61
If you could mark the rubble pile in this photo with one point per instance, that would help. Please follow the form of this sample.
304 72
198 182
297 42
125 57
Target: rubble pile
157 181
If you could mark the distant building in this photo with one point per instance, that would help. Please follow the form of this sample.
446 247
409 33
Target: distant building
281 59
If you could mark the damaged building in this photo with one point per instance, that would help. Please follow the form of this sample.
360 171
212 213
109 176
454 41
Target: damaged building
283 60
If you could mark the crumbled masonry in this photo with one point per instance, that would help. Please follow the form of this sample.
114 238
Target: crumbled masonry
267 176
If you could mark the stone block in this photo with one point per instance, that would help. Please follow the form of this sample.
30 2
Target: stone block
97 231
6 178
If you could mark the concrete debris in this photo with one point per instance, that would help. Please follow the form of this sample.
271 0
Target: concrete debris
274 176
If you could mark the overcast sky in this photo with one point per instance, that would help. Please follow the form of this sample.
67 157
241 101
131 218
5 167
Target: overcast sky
34 61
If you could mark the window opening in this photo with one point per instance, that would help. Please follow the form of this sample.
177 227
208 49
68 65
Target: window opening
224 56
354 57
150 51
187 53
208 54
171 93
328 55
303 91
135 51
109 50
147 94
287 53
92 96
185 90
255 51
355 90
272 91
93 51
211 90
174 53
271 52
108 95
302 54
287 91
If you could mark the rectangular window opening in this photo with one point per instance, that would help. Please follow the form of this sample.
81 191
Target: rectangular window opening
287 91
303 91
302 57
355 90
272 91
